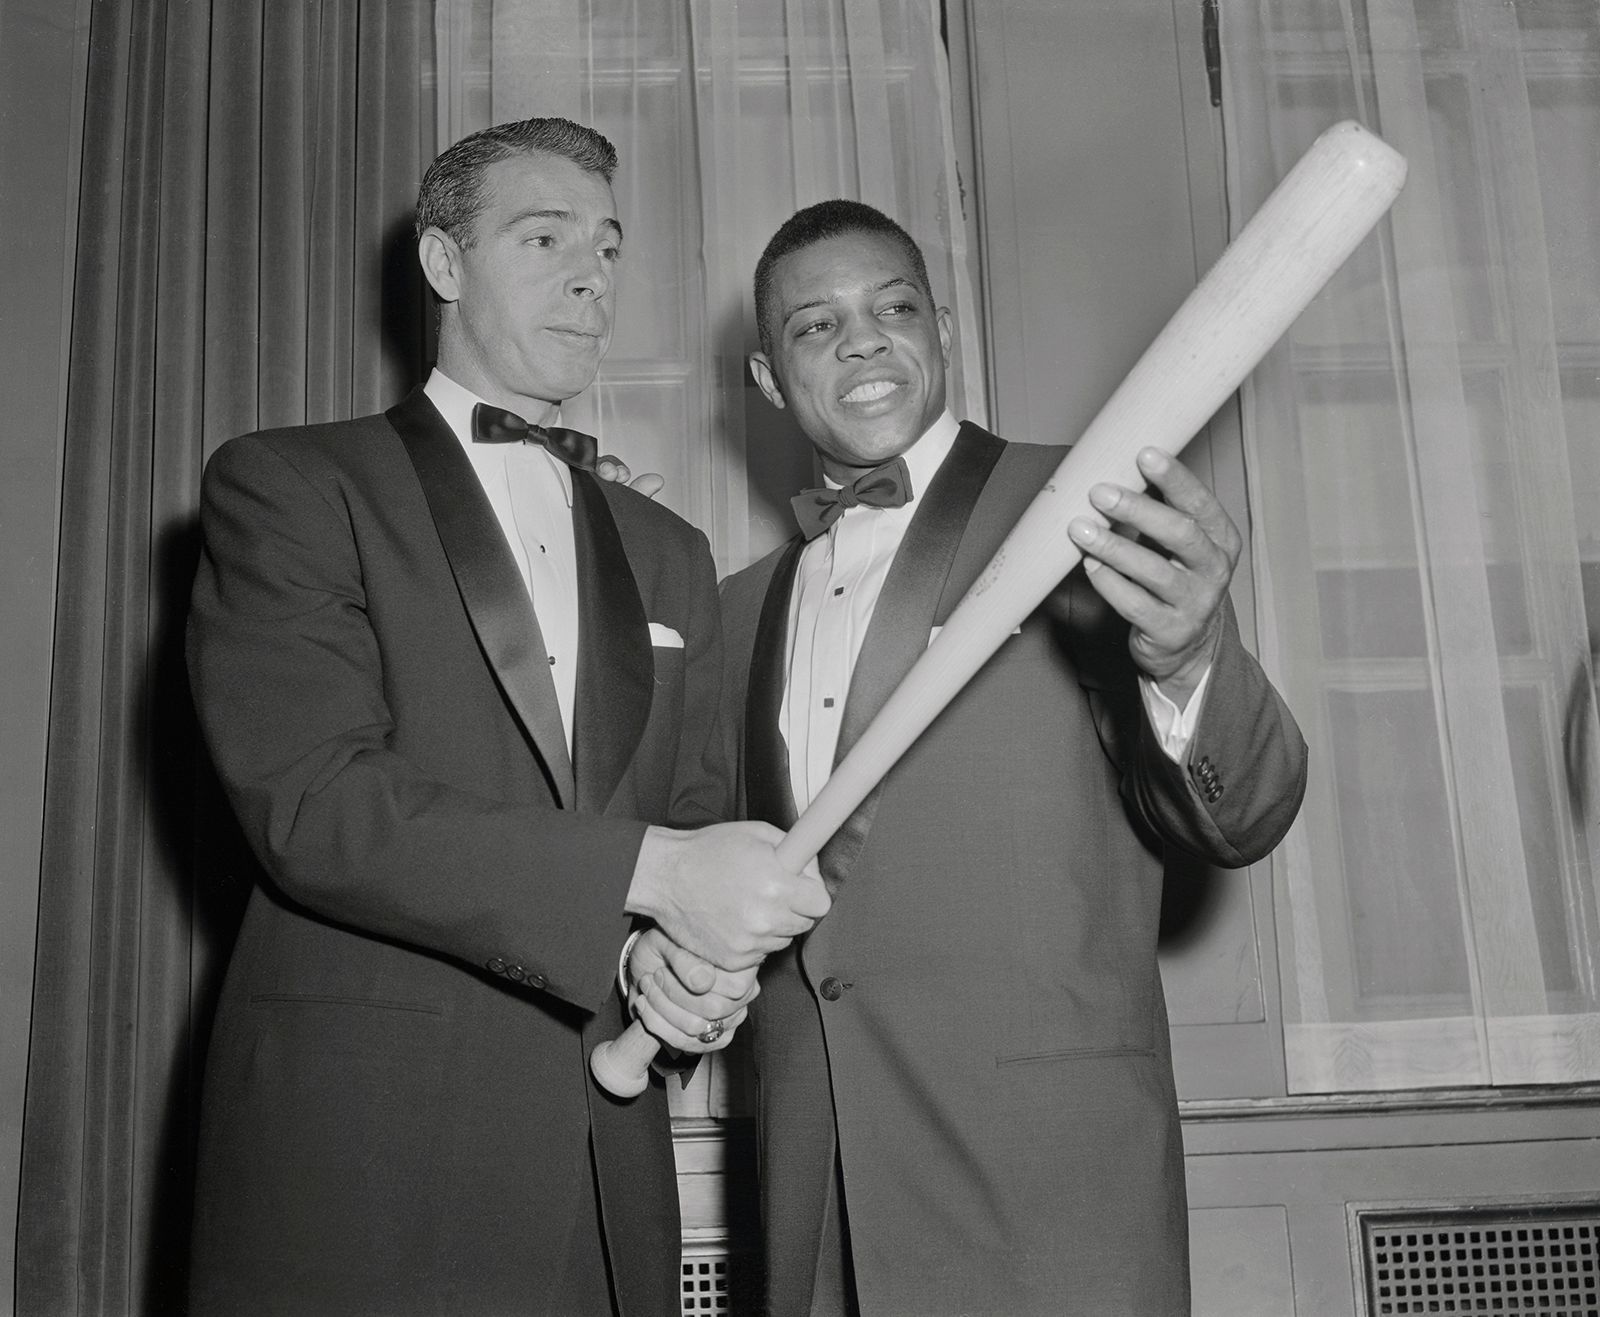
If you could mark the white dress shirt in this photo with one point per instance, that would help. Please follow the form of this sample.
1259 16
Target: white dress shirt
531 494
837 582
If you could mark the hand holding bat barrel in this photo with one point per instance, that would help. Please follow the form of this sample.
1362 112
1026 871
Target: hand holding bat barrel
1300 236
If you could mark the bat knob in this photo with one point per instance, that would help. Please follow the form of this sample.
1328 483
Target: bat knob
622 1067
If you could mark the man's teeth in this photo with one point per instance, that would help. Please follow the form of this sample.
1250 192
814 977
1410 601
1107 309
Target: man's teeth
870 392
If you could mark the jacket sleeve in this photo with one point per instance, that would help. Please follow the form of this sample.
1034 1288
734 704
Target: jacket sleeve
1239 786
287 677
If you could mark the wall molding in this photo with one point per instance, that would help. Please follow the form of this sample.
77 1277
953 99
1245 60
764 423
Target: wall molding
1401 1102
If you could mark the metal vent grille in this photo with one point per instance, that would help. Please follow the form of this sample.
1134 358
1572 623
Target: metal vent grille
705 1284
1483 1261
717 1280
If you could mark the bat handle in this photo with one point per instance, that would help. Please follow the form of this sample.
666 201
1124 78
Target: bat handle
622 1066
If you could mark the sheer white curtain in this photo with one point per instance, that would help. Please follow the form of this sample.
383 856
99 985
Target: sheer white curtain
727 118
1424 453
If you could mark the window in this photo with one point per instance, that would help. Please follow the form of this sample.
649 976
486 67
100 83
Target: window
1424 456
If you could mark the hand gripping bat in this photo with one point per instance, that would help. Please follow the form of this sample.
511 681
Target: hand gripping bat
1291 247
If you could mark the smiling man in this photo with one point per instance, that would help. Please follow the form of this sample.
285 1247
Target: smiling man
462 696
966 1094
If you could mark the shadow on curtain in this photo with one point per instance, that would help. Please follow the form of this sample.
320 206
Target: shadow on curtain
244 260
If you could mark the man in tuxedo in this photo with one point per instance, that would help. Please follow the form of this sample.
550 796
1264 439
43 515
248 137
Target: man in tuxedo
462 696
966 1090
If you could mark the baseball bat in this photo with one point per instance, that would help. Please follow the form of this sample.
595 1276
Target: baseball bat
1303 232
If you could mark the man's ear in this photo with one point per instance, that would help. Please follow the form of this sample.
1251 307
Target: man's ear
440 258
766 380
946 332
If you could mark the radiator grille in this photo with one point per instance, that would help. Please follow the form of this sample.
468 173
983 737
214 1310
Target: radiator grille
716 1280
1483 1261
705 1284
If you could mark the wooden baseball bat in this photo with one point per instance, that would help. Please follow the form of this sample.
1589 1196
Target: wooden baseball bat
1291 247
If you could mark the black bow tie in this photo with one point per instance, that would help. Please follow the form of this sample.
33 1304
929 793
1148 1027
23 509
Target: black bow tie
886 486
495 425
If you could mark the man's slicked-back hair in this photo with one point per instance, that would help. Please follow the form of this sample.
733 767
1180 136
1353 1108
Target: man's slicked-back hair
451 196
826 219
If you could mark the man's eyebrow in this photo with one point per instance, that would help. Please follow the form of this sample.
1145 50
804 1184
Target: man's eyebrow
894 281
557 214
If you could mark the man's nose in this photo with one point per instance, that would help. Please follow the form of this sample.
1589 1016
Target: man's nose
592 278
863 337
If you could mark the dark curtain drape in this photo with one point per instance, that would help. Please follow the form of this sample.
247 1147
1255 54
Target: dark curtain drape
249 170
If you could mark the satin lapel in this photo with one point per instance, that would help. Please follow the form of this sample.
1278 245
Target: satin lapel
903 618
1011 487
616 667
486 575
769 796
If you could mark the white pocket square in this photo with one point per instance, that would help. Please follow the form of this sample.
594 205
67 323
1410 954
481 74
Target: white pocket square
664 637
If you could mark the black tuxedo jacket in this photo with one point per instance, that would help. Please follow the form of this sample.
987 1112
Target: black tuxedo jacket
977 1028
397 1111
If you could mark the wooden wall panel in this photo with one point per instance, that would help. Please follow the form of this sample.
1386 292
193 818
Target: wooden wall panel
1240 1262
1099 204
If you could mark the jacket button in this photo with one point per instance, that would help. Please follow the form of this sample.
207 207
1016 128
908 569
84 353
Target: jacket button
831 988
497 965
536 980
515 973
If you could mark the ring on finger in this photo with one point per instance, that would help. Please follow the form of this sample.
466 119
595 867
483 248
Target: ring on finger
711 1032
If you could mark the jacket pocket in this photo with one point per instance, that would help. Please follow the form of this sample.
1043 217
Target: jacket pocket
1070 1054
330 999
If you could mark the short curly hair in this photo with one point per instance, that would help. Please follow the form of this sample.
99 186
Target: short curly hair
816 223
451 197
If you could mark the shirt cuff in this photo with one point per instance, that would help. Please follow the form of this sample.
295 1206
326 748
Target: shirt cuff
623 986
1173 727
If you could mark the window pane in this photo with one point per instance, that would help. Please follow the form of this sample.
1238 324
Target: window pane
1399 859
